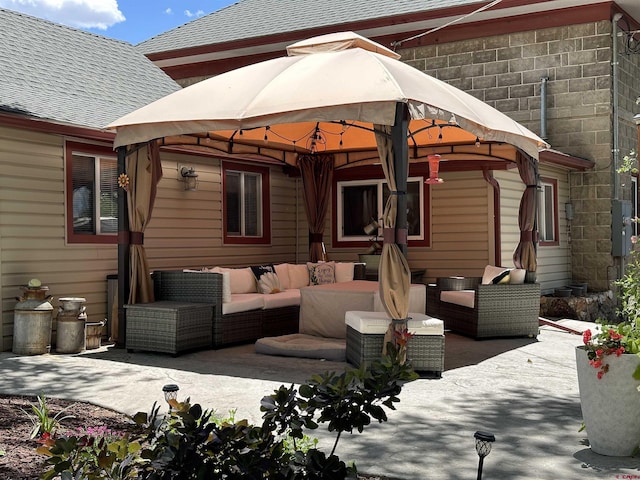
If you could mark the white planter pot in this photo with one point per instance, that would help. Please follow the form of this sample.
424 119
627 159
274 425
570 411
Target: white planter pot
610 405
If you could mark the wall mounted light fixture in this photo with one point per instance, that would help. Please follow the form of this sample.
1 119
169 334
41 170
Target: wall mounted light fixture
190 178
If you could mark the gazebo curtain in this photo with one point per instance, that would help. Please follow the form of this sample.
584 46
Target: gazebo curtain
394 274
317 174
524 255
145 171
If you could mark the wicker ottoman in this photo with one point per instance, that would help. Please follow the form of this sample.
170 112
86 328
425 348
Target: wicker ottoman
425 351
169 327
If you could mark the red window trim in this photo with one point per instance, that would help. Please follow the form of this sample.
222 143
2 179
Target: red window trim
265 239
91 149
374 172
556 228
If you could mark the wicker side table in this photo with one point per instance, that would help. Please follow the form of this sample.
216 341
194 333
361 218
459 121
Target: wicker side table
425 351
169 327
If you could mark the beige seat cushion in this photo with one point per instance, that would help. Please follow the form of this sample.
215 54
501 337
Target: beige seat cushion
464 298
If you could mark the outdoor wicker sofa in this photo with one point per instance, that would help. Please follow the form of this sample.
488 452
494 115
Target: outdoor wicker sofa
162 325
489 310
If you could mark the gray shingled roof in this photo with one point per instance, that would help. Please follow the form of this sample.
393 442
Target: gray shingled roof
256 18
69 76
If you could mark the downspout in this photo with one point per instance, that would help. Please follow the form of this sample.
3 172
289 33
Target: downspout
615 180
497 217
543 108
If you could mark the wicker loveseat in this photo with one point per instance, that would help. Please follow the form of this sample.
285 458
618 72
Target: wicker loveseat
478 310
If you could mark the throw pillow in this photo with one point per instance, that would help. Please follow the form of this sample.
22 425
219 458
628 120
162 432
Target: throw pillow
491 272
282 270
501 278
226 287
517 276
298 276
259 270
269 283
226 281
344 271
241 279
321 273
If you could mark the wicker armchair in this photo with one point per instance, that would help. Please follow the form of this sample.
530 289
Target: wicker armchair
502 310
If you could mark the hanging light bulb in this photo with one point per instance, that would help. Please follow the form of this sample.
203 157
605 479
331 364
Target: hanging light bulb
266 138
434 164
477 142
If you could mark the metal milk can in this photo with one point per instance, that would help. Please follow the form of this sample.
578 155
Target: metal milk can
32 320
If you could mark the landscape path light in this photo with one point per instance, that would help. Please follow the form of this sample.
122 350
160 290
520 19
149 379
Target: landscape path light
483 447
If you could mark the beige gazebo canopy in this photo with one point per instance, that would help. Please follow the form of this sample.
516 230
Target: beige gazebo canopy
353 101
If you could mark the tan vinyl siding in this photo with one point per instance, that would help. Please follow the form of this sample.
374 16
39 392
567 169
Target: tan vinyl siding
32 231
511 189
185 229
554 262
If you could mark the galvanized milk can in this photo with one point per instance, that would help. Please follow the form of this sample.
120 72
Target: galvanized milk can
71 319
32 320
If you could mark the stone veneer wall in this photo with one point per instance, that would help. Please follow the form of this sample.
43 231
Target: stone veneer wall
506 72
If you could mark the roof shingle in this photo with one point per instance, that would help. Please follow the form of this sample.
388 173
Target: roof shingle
257 18
70 76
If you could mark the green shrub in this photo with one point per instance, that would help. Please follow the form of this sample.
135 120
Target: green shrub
190 443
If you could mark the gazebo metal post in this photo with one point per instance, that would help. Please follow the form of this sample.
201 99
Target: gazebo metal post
123 251
401 169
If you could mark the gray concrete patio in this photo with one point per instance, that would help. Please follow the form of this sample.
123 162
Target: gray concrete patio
524 391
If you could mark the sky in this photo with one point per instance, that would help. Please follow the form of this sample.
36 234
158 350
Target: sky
130 20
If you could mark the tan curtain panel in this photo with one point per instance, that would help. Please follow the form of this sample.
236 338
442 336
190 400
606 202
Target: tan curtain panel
145 171
317 174
393 274
524 255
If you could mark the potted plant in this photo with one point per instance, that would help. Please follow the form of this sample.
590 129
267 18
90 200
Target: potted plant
608 366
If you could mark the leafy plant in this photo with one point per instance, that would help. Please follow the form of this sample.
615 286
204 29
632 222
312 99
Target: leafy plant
41 419
192 443
623 337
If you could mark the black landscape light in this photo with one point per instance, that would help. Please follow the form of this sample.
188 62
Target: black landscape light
483 447
170 392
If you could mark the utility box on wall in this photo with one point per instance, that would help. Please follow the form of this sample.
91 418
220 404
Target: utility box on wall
621 228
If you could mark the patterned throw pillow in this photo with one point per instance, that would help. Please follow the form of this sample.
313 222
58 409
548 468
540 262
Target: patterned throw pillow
269 283
266 279
321 273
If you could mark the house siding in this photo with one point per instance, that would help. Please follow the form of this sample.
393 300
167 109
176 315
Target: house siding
185 230
32 231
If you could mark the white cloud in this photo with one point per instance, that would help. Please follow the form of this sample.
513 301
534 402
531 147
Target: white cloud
191 14
99 14
168 11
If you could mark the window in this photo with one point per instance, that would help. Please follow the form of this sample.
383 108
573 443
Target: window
246 204
548 212
92 194
357 202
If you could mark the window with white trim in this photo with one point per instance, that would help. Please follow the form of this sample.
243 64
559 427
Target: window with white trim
92 194
361 201
246 203
548 212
